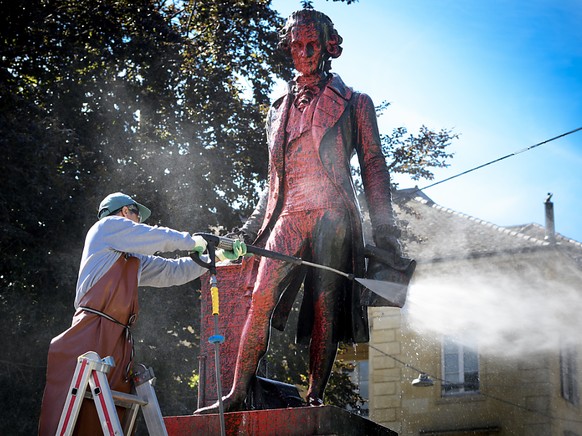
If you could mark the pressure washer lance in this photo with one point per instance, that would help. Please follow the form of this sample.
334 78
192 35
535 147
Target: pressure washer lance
394 291
216 338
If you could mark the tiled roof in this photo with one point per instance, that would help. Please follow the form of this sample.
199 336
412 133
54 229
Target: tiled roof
436 232
538 231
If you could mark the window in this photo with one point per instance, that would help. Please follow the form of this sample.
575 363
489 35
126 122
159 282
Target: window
460 368
568 374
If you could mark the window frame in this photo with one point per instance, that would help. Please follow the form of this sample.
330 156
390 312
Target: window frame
463 353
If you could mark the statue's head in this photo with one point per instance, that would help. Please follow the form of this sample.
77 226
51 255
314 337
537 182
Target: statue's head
300 25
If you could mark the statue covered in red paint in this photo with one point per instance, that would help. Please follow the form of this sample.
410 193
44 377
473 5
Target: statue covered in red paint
310 209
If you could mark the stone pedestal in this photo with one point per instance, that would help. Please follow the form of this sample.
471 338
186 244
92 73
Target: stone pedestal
299 421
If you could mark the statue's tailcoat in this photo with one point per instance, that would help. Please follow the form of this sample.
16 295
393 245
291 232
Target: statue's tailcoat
344 123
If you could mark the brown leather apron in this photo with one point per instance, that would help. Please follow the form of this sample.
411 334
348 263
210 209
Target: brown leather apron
115 295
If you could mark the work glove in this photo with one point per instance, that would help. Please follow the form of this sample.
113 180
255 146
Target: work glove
200 244
239 249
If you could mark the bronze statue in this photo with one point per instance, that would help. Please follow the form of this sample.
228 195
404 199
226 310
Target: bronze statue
310 209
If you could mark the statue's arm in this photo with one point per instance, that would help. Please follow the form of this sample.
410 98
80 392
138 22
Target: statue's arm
251 227
375 175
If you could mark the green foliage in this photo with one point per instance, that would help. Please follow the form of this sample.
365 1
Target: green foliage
412 154
416 155
308 4
163 100
341 390
194 380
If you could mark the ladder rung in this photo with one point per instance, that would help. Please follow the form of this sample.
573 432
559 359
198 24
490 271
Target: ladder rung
122 399
127 398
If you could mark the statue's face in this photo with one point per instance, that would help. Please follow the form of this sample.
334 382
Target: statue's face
306 48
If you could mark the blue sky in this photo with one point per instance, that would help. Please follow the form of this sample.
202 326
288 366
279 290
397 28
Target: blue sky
504 75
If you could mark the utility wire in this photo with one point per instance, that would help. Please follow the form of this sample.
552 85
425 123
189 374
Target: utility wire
501 158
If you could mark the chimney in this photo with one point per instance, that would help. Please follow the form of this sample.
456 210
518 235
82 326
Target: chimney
550 226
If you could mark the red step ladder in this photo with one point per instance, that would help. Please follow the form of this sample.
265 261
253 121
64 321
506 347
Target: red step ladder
92 370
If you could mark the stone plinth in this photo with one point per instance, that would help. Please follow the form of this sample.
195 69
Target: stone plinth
300 421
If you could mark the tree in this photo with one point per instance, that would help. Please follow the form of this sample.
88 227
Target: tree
98 96
308 4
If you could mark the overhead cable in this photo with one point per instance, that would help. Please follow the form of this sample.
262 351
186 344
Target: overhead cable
502 158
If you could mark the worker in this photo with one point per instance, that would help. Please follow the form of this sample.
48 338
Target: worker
118 256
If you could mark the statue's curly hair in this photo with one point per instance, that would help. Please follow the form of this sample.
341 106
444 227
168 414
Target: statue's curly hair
331 39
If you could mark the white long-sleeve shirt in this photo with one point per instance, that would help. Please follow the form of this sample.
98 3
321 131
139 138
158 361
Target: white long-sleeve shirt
113 236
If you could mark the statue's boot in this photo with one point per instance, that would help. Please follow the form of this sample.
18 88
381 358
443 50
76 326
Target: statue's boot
230 403
313 401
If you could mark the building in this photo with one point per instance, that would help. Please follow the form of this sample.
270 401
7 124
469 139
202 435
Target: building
488 342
